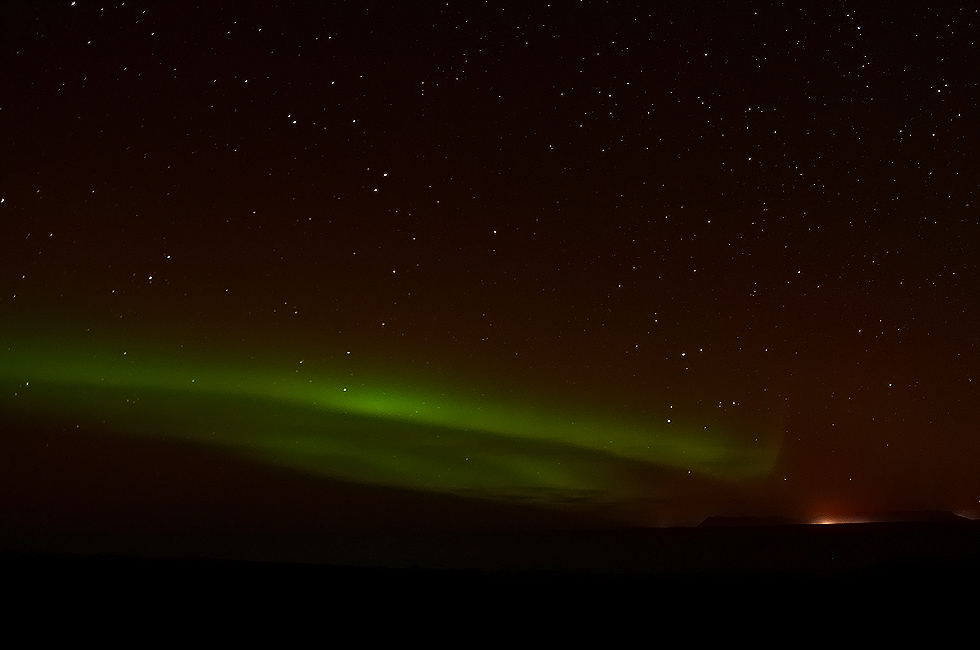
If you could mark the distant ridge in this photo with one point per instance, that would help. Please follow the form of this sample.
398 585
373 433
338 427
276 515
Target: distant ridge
884 517
920 515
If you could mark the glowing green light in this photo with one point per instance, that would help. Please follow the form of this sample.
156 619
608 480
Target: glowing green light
373 431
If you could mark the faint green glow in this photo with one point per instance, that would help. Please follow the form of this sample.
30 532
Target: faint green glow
384 430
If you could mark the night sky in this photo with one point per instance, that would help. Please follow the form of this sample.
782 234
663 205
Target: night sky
640 262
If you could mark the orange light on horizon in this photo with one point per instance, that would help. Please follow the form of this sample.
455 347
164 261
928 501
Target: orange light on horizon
842 520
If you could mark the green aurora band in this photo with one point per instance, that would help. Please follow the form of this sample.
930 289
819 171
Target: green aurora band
367 431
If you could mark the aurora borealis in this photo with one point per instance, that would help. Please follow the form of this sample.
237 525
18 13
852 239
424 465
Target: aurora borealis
644 263
373 432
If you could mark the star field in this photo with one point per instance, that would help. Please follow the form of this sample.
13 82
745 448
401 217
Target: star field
754 217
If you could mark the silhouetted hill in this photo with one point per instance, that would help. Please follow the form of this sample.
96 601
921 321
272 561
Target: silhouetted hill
920 515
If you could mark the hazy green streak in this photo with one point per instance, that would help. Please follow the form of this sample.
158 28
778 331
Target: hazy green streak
373 431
